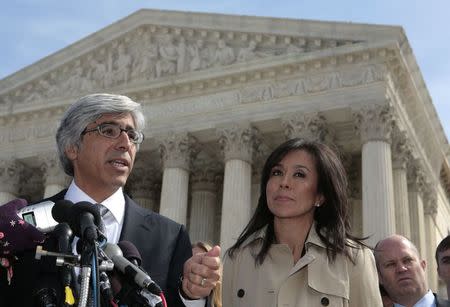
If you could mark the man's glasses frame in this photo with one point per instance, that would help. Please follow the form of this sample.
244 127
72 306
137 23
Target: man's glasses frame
113 131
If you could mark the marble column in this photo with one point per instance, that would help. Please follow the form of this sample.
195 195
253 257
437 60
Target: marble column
416 184
375 124
401 154
203 204
55 180
237 144
430 211
10 172
145 183
176 153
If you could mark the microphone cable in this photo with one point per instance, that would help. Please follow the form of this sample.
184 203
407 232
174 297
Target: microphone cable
163 298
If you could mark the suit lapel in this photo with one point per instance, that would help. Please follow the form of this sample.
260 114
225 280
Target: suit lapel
134 220
440 302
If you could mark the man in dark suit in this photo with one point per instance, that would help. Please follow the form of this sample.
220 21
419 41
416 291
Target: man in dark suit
402 273
97 140
442 256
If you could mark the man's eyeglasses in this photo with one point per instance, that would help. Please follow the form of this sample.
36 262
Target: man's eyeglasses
113 131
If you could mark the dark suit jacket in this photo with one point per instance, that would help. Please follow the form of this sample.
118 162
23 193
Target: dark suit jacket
440 302
163 244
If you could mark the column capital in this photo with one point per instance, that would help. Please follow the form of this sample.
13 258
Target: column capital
238 141
374 122
416 175
310 126
430 199
205 175
10 174
401 149
178 149
145 179
430 207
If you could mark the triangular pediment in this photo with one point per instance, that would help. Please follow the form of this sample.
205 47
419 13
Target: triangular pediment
151 46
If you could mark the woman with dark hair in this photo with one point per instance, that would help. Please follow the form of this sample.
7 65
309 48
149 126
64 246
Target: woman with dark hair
297 249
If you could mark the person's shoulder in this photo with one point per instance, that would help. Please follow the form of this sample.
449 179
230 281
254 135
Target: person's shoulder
53 198
151 216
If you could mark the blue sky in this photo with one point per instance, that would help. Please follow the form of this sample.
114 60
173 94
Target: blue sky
33 29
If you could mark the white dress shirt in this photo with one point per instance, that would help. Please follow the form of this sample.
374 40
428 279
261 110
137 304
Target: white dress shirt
115 204
427 301
113 222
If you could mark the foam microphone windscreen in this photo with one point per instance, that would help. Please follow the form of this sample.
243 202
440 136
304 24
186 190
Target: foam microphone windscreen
64 211
130 251
61 211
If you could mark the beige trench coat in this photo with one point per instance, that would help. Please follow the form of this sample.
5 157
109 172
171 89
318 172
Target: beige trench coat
312 281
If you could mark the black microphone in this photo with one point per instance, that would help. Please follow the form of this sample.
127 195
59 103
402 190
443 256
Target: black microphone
83 217
48 288
130 270
141 296
64 236
130 251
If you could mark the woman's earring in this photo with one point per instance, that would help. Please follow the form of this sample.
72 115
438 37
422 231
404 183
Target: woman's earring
317 204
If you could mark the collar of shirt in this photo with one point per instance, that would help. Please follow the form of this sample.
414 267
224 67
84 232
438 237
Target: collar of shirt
115 203
428 300
312 238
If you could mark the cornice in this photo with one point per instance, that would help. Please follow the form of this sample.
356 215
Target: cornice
445 178
222 78
415 113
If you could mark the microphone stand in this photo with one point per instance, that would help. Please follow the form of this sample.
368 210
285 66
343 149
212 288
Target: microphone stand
64 235
88 250
86 257
89 261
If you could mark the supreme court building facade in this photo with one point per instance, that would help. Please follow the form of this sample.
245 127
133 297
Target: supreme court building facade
219 92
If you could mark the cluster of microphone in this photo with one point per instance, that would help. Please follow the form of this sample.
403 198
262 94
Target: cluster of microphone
112 272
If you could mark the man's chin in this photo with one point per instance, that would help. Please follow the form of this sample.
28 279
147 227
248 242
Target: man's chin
408 289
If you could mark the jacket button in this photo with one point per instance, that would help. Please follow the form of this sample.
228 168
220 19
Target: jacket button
241 293
325 301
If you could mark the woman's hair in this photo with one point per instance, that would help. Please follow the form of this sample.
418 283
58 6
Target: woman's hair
87 110
217 291
331 218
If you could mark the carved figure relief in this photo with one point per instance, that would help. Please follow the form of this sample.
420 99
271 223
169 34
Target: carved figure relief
224 54
167 63
76 81
145 56
293 48
149 53
122 65
199 55
97 72
181 55
248 53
